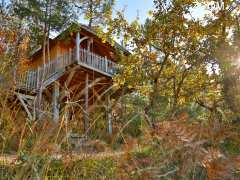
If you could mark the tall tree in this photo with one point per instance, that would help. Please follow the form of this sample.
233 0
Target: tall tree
170 57
95 11
13 45
42 17
223 34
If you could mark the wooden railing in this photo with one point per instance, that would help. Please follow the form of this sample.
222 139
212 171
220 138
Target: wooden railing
98 62
34 79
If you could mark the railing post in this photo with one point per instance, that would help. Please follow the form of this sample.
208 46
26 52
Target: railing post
88 57
69 56
38 76
106 64
27 84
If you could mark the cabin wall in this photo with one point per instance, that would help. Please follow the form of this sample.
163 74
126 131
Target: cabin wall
98 47
37 59
59 47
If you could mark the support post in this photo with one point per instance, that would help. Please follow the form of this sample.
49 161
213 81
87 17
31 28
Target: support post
58 63
55 101
78 47
106 64
85 108
38 103
69 56
89 42
38 78
78 42
66 111
109 116
89 56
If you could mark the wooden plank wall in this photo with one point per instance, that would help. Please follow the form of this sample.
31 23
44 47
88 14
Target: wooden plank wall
60 46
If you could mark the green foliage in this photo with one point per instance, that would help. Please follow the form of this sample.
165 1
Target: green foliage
93 169
45 168
41 17
230 146
131 116
180 92
95 11
99 130
56 170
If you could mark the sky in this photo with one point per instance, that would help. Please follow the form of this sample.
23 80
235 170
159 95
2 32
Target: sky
140 8
134 8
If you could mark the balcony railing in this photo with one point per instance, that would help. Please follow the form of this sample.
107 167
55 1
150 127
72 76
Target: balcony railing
97 62
34 79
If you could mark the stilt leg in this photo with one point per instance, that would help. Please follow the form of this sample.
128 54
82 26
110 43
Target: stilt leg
85 108
55 101
109 117
38 104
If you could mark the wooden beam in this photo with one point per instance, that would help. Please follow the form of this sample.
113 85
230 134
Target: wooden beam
105 92
91 108
25 95
83 39
89 86
70 76
85 107
52 79
78 42
95 69
95 93
48 94
89 42
21 98
72 90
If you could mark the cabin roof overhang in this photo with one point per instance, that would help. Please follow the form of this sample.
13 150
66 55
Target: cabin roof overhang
78 27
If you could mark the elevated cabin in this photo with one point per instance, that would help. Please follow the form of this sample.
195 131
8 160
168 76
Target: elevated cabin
79 67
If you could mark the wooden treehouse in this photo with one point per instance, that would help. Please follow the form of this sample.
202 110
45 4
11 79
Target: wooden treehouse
76 73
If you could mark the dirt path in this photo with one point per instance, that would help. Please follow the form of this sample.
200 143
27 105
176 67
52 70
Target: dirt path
93 156
7 159
12 159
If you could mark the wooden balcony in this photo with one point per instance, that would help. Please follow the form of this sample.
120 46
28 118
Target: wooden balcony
34 79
